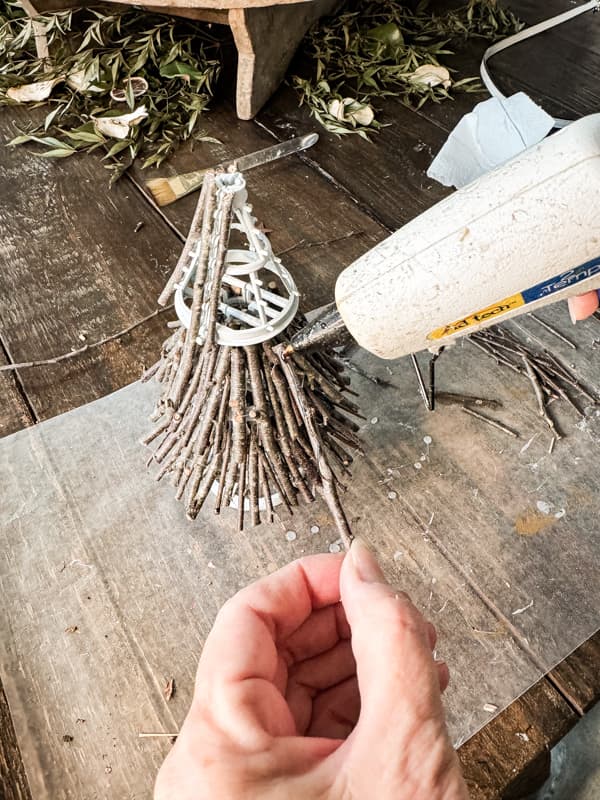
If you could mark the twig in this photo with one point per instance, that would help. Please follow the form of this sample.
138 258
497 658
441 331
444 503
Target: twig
197 220
539 397
494 423
80 350
347 362
329 488
304 245
553 331
421 383
152 735
207 221
463 399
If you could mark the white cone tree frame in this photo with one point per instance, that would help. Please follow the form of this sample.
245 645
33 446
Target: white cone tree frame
235 417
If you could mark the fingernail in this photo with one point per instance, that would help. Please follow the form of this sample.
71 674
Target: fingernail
365 563
571 312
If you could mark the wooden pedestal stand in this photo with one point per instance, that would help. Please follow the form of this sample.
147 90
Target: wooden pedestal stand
266 35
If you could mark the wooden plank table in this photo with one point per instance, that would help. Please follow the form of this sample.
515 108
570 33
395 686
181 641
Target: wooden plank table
95 276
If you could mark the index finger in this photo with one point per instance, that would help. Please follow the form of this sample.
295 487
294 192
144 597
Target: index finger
243 641
583 305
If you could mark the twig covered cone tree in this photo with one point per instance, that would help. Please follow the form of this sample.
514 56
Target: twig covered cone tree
237 420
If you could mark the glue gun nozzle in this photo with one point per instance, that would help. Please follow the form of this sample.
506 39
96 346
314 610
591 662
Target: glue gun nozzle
327 329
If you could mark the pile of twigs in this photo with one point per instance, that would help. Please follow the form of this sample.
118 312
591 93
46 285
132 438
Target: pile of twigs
550 379
244 423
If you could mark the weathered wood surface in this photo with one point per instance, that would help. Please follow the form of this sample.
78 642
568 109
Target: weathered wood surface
74 271
266 40
521 736
174 4
578 676
87 495
14 412
108 371
13 781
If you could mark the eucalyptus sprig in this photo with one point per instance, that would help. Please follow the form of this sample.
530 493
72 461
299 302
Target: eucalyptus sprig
132 82
386 48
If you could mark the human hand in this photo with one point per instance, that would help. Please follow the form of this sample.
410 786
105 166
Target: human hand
301 696
583 306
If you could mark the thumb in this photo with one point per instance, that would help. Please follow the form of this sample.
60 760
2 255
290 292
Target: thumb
399 682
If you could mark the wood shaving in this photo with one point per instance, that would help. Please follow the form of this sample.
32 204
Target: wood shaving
169 689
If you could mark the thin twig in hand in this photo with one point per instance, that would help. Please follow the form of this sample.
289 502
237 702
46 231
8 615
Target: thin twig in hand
327 477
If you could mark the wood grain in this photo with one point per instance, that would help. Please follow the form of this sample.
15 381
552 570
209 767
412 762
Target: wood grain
84 274
317 199
14 412
14 415
578 676
385 176
521 736
13 781
263 58
53 5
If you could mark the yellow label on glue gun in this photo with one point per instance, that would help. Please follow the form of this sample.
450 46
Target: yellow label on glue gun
537 292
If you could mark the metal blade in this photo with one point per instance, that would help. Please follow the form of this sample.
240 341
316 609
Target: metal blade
272 153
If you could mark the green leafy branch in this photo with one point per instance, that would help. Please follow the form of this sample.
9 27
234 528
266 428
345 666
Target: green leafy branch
133 82
385 48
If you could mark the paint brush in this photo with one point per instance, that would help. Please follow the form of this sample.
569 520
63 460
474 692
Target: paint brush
168 190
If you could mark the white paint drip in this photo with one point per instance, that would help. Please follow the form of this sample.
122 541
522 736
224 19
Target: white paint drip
521 610
544 507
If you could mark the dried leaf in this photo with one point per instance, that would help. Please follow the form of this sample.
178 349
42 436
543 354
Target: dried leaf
118 127
370 51
80 81
71 629
117 48
117 148
51 117
135 86
59 152
33 92
350 110
431 75
85 133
